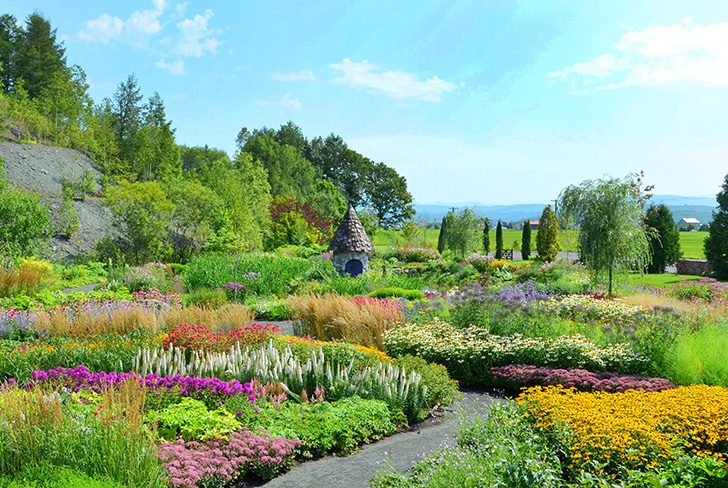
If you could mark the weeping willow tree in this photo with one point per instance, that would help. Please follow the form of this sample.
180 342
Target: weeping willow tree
608 212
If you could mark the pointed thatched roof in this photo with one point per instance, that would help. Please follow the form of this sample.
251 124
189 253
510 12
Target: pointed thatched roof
351 236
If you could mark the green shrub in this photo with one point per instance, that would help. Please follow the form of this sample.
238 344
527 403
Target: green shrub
397 292
192 421
440 388
322 427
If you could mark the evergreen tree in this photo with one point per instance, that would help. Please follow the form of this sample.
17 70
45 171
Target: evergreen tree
442 238
499 240
664 239
9 33
486 235
716 244
547 237
526 241
39 56
127 120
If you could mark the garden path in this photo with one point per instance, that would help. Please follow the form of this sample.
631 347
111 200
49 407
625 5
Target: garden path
400 451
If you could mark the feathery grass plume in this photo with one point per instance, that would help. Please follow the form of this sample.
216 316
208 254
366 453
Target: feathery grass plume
360 320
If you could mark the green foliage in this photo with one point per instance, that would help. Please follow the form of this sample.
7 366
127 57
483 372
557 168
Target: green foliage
440 388
192 421
67 217
279 275
497 448
499 240
526 241
442 237
547 237
50 476
196 208
369 221
462 232
664 240
699 358
486 235
25 222
388 196
323 427
37 56
141 212
397 292
716 245
609 214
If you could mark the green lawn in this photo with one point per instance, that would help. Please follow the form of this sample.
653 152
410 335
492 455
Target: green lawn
658 280
691 243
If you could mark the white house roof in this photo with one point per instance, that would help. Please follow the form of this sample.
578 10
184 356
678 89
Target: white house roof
690 220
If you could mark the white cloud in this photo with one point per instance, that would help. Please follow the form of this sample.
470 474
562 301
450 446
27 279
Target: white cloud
684 54
395 84
195 36
136 30
292 103
303 75
174 68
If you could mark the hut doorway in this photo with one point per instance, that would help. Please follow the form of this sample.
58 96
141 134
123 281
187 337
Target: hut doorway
353 268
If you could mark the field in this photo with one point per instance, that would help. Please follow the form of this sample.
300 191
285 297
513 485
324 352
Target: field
691 243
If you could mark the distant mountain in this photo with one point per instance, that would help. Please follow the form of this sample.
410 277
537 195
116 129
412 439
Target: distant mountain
681 207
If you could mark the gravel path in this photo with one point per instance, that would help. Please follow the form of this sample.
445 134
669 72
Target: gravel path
400 451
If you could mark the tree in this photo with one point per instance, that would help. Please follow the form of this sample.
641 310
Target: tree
127 119
9 34
25 222
442 238
716 244
198 157
196 208
387 194
486 235
296 222
526 241
38 56
547 237
499 240
141 213
462 232
609 214
289 173
664 240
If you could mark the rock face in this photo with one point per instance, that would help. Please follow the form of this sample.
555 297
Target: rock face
39 169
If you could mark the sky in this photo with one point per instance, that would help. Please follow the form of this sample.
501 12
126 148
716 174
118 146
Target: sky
498 102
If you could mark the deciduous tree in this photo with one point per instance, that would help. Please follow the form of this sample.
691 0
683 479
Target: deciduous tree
609 214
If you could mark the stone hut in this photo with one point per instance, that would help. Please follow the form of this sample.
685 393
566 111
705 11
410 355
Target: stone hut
351 246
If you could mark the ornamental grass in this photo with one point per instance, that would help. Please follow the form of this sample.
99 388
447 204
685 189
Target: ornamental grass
632 430
360 320
28 278
40 425
124 317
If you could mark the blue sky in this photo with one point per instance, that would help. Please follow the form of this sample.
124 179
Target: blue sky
495 102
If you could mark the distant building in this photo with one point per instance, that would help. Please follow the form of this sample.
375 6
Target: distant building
688 224
534 224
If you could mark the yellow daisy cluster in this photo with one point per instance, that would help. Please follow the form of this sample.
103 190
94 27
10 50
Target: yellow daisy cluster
634 429
605 309
499 264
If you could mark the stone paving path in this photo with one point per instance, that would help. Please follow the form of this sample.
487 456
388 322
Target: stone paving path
400 451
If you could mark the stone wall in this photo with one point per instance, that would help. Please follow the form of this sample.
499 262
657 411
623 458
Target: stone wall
695 267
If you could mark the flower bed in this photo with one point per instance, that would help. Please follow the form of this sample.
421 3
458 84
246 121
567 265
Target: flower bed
523 375
633 429
470 353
